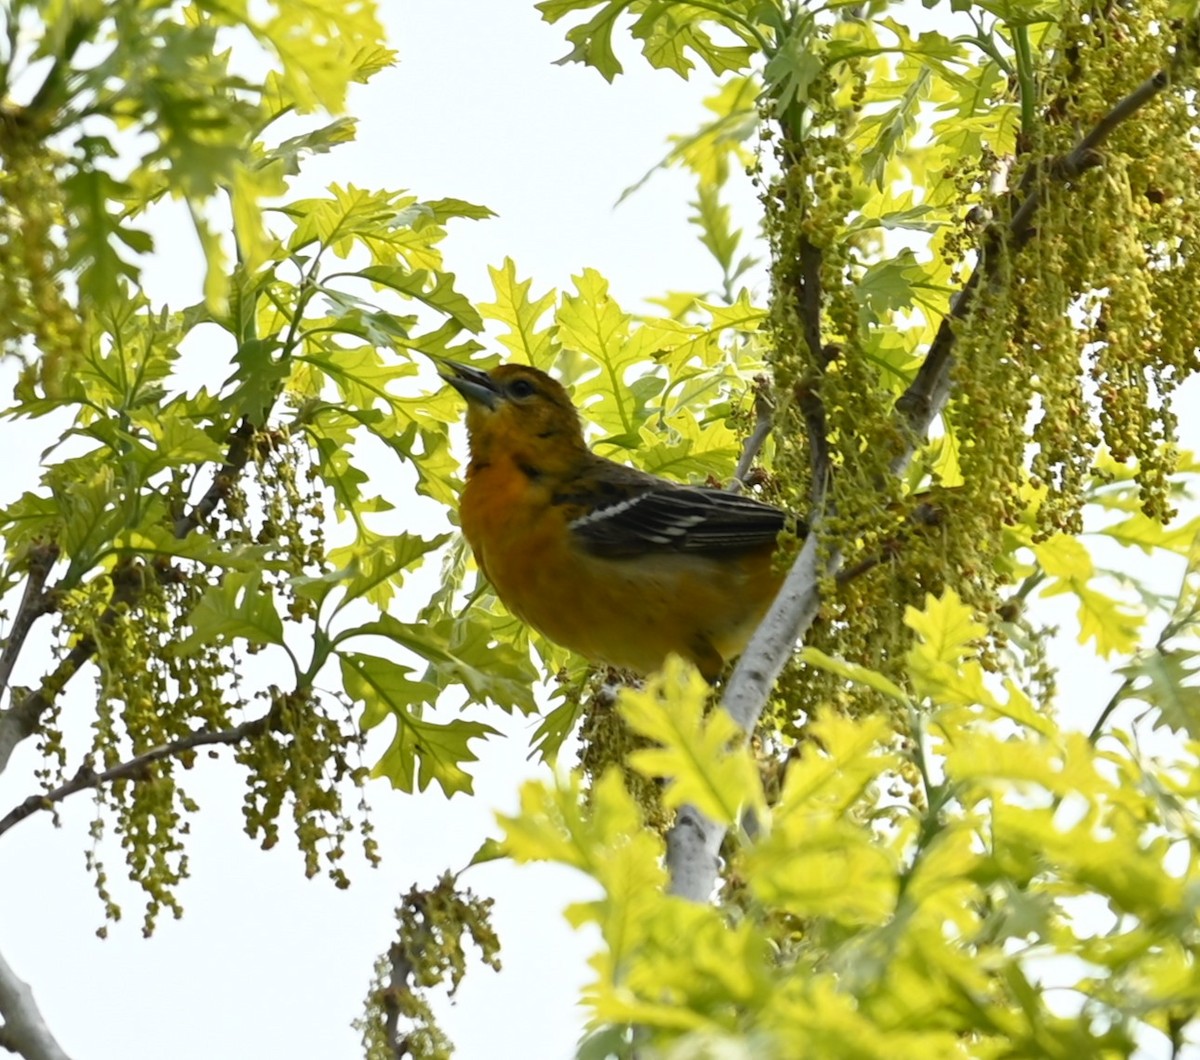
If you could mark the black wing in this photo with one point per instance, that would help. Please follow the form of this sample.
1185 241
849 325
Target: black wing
667 518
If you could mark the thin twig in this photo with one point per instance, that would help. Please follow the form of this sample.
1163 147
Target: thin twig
135 768
223 481
757 438
1114 701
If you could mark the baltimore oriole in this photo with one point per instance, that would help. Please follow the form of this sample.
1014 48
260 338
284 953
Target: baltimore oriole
616 564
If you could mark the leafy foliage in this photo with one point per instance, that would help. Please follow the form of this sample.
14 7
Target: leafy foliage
857 895
995 229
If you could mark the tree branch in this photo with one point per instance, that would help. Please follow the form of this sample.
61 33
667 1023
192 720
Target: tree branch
20 720
34 604
926 396
24 1031
235 460
810 299
756 439
402 971
135 768
694 842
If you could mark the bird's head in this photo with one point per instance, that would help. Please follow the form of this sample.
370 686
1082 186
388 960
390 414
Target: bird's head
519 410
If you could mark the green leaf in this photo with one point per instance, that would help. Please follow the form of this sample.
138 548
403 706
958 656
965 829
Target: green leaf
695 451
704 760
462 653
609 842
438 750
553 730
258 378
1140 531
489 850
421 751
669 31
323 48
91 511
513 308
391 226
1111 623
179 443
92 237
889 131
854 672
947 628
706 151
593 39
362 374
291 151
796 64
375 563
1167 680
712 218
445 209
248 186
241 607
815 862
592 323
440 296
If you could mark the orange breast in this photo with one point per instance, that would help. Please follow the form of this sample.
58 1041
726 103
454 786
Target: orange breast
628 613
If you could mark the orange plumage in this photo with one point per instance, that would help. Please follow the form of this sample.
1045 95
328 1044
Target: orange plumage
614 563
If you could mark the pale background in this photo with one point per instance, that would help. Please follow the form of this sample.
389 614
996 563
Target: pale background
266 964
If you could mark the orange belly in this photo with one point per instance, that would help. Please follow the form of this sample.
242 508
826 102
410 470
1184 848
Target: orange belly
624 612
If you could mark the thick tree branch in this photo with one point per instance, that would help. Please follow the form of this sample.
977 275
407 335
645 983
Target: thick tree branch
694 841
135 768
24 1032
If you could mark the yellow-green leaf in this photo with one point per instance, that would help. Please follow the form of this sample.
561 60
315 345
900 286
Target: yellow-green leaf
703 760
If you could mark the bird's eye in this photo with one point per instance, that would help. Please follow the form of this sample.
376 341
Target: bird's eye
521 388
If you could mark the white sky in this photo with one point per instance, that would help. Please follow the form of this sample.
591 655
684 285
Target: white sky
266 964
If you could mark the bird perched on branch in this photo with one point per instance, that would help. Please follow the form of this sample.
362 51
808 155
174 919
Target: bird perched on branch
616 564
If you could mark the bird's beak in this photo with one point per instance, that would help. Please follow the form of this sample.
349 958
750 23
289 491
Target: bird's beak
475 385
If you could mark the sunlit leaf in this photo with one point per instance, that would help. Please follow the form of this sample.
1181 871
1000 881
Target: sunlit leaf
701 759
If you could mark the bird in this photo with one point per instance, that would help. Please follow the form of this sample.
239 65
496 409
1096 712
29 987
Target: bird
614 563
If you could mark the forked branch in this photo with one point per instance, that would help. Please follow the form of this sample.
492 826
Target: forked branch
694 840
20 719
